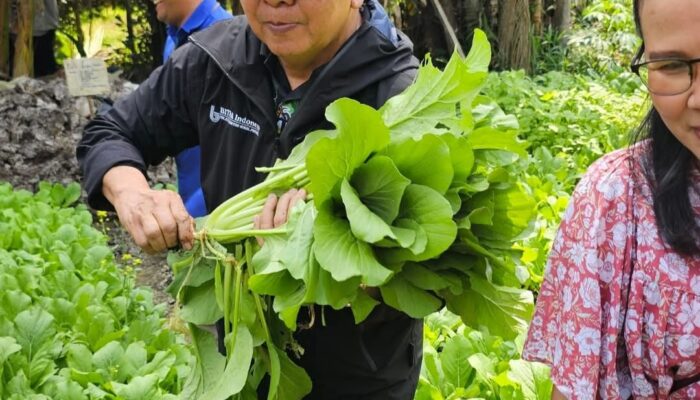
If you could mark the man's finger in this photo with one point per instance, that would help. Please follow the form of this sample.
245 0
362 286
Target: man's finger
154 235
185 223
256 225
300 195
283 207
268 212
168 225
133 226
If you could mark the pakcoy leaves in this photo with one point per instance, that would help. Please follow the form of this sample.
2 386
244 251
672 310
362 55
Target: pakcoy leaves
398 198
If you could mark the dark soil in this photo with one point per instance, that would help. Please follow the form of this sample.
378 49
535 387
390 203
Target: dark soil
40 125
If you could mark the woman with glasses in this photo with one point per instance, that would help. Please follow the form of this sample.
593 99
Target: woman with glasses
618 315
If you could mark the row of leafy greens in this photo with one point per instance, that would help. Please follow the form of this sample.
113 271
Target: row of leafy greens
460 362
72 324
416 199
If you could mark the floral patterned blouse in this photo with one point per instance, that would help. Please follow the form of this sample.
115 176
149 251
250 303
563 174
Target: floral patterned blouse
607 336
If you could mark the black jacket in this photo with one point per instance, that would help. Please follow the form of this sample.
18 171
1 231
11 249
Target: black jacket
216 91
220 71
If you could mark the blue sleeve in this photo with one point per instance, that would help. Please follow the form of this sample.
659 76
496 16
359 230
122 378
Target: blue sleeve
380 21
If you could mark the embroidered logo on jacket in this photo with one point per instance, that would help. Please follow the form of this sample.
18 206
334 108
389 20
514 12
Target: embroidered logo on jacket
233 119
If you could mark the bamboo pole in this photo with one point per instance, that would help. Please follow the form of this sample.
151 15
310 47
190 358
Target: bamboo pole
24 53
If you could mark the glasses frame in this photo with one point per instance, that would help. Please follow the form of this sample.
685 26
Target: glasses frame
636 65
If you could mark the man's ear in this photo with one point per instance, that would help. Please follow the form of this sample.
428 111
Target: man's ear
356 4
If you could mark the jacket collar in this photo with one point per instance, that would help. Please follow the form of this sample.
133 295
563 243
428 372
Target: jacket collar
367 58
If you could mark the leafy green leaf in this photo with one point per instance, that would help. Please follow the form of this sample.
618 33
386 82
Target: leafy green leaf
425 161
139 388
34 328
297 252
380 185
454 359
199 305
488 138
479 56
361 132
292 382
434 214
209 367
362 306
512 212
109 356
504 310
432 98
273 278
404 296
462 156
364 224
236 372
533 379
422 277
485 367
339 252
322 289
8 346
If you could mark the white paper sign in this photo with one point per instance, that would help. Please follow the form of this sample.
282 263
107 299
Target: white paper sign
86 76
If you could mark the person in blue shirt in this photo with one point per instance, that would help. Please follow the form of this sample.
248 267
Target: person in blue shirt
185 17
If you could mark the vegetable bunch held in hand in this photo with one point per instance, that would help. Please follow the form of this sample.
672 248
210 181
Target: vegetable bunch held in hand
414 199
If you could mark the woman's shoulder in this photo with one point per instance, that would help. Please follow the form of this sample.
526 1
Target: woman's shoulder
615 178
600 214
620 168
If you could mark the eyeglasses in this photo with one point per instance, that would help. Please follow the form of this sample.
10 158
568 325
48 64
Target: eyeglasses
666 76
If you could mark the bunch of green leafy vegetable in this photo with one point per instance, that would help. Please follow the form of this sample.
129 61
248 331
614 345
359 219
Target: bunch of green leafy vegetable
72 324
460 362
415 199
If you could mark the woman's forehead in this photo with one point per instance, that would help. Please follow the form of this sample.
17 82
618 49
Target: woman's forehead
671 25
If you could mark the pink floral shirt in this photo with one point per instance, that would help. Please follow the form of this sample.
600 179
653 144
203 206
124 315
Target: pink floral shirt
580 328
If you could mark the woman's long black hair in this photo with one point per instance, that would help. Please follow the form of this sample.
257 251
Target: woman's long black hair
668 170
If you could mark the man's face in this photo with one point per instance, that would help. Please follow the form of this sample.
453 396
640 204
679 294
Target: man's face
302 31
174 12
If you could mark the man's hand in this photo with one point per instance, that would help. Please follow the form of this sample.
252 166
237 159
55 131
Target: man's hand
276 211
156 219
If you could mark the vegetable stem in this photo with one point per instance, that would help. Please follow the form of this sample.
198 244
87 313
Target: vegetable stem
261 315
227 297
236 299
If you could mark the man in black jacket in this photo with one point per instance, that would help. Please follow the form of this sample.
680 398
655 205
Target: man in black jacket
247 91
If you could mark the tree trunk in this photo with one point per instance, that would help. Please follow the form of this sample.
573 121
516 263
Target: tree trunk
514 34
24 54
537 16
5 10
79 39
130 38
562 16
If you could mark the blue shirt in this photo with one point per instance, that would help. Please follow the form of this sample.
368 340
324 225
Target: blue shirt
189 161
207 13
